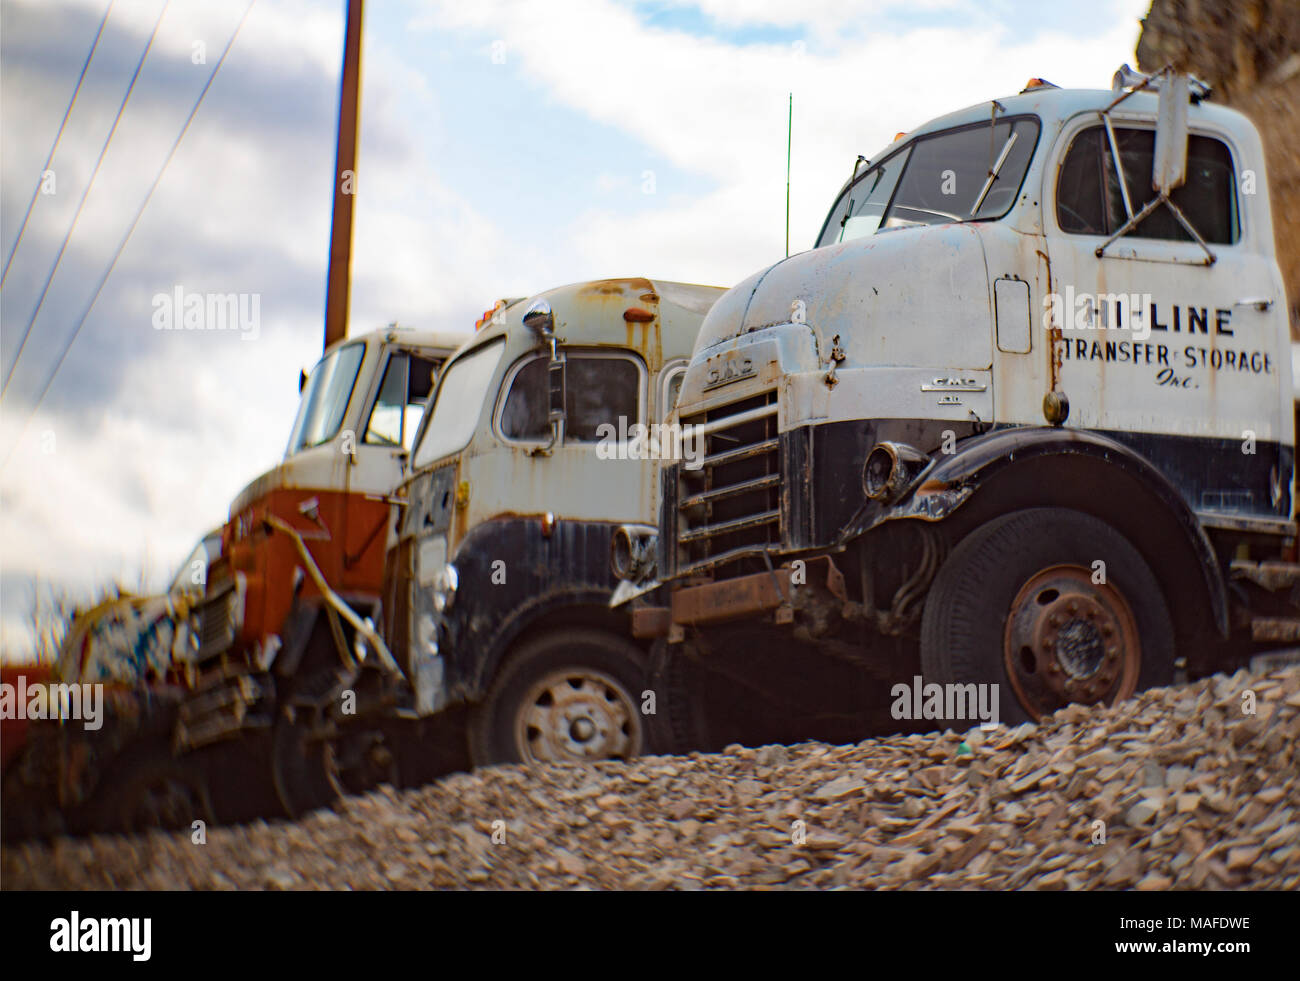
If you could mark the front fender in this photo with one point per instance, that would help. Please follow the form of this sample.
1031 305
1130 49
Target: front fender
953 480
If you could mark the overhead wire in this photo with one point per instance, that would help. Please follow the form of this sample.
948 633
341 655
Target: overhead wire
103 150
117 253
40 178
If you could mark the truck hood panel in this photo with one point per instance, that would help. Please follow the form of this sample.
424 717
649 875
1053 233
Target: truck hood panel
893 298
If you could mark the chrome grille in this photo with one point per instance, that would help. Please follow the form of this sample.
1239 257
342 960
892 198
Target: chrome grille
217 618
732 504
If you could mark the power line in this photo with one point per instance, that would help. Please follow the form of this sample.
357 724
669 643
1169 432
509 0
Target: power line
82 203
117 254
36 191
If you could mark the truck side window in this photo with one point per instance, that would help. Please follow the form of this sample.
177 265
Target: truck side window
402 397
1089 201
597 390
671 386
385 426
424 376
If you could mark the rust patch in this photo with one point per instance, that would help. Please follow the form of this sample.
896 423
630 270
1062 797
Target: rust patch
611 287
729 600
651 621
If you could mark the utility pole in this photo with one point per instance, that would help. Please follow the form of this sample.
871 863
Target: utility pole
345 171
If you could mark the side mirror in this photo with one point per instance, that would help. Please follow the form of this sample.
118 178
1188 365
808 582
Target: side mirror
302 380
539 319
1169 164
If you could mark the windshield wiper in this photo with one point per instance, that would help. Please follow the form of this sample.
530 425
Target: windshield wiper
849 208
993 173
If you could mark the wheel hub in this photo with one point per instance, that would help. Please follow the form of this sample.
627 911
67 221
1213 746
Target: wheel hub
577 715
167 803
1069 639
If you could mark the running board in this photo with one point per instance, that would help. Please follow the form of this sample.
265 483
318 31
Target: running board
1276 630
1273 660
1267 575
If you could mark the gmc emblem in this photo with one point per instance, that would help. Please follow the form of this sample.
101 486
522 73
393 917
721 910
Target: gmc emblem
727 368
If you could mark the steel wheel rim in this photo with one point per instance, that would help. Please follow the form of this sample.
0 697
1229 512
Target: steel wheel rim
168 802
1070 640
577 715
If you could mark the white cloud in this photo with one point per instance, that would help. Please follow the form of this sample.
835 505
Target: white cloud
719 110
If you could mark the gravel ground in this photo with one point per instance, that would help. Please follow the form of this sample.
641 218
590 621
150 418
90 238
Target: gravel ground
1180 788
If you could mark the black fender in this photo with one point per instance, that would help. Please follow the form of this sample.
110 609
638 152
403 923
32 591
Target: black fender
548 571
950 483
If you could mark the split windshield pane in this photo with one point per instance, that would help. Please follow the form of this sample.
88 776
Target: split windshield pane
938 179
457 404
325 398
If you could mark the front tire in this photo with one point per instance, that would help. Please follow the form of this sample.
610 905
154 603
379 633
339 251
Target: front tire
574 695
1052 605
152 791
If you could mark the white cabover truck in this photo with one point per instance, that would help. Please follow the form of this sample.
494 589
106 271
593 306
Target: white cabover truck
1022 418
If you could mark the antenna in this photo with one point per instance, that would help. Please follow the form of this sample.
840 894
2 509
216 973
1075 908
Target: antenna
789 130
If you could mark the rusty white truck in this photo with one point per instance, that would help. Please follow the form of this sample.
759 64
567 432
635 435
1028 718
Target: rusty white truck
1016 433
544 442
202 682
494 641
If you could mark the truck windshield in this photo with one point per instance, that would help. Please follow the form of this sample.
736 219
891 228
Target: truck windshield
972 173
458 404
325 398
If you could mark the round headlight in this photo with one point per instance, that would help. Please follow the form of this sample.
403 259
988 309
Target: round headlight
879 471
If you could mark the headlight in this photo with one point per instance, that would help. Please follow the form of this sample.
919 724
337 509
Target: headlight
889 468
632 552
444 587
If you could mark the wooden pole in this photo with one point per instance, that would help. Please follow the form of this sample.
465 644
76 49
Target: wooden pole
345 169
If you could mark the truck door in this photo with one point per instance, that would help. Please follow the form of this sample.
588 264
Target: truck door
380 453
595 470
1163 348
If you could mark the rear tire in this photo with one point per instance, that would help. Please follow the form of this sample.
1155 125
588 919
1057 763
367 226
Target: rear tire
1018 605
572 695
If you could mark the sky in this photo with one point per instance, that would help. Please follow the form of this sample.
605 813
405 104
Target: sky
506 148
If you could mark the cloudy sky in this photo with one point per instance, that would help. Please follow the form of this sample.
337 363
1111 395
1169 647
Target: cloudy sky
507 147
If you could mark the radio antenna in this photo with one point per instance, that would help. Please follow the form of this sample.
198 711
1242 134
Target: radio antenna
789 131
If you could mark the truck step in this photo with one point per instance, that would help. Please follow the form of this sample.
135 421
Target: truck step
1273 660
1285 630
1268 575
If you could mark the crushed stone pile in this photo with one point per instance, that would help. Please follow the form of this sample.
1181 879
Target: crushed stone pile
1191 787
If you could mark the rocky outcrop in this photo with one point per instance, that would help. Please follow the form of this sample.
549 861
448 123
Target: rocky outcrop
1249 50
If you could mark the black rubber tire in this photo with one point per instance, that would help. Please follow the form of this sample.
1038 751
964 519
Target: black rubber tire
684 728
122 806
298 769
962 627
490 726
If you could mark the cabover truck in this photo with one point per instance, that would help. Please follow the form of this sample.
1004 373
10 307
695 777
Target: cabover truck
492 638
1022 418
543 442
190 728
